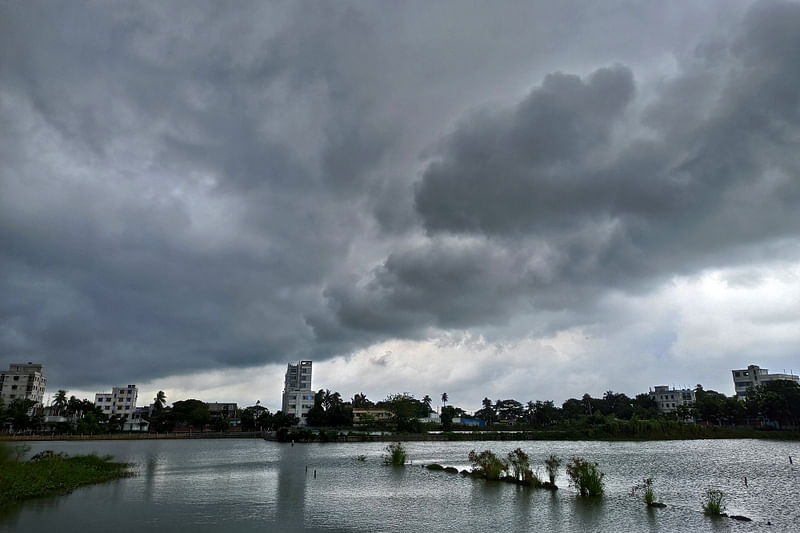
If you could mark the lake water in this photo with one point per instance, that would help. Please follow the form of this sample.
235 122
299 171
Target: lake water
253 485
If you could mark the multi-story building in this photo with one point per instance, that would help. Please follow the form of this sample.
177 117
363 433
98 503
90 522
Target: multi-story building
753 376
669 400
298 397
120 401
222 410
23 382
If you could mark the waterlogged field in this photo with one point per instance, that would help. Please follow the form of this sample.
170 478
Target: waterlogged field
253 485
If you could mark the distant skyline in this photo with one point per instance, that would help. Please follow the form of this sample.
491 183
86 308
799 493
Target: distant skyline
528 200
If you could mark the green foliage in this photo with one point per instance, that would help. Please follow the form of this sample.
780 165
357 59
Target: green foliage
191 413
552 465
715 502
329 410
407 411
519 466
585 476
487 464
396 454
646 488
55 474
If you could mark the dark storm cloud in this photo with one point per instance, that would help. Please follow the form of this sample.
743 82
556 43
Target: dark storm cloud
585 209
189 186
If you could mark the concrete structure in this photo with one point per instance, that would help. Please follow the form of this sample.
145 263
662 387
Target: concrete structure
23 381
469 421
120 401
369 417
298 397
223 410
753 376
669 400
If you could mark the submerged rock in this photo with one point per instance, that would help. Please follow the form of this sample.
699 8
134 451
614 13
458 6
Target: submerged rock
451 470
740 518
434 466
657 504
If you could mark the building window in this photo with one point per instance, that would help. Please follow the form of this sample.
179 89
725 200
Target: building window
127 407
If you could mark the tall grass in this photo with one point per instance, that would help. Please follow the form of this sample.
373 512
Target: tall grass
487 464
396 454
585 476
715 502
552 464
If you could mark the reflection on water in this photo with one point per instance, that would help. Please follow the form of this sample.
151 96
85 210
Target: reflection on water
252 485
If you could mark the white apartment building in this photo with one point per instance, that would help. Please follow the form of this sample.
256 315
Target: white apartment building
23 381
298 397
120 401
753 376
669 400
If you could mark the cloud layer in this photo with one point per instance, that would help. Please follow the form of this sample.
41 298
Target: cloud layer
193 190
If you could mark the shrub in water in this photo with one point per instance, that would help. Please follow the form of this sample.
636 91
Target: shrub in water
519 465
585 476
715 502
552 464
488 464
396 454
646 488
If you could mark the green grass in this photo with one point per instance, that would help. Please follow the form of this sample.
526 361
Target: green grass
20 480
396 454
715 502
585 476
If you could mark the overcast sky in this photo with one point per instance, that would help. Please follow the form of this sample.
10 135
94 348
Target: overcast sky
527 200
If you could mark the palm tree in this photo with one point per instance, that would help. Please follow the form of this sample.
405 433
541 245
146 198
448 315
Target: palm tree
444 399
60 402
160 401
427 401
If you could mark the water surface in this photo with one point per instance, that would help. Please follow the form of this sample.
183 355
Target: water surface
254 485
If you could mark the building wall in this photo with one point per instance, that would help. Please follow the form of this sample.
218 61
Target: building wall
298 397
120 401
23 381
669 400
753 376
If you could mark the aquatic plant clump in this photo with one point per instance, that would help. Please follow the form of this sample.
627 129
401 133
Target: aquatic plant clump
552 465
55 474
585 476
715 502
396 454
487 464
647 491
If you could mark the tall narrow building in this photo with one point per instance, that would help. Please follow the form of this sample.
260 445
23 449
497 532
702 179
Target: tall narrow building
298 396
23 382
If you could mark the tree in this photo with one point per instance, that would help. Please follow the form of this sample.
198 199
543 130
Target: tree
360 401
60 402
18 413
444 398
160 401
116 423
406 410
509 410
191 412
487 414
427 401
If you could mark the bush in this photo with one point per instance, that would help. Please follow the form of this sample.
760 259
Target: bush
519 465
487 464
715 502
552 464
646 488
396 454
585 476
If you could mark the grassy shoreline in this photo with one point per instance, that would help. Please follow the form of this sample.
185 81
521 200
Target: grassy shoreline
54 475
